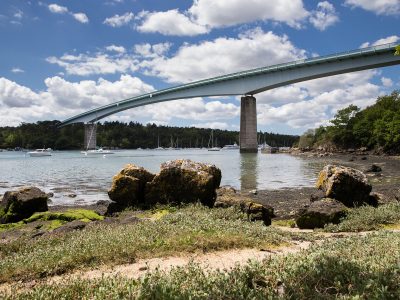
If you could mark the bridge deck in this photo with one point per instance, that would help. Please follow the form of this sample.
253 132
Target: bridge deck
255 80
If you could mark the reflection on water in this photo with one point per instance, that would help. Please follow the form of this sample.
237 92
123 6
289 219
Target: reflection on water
76 179
248 171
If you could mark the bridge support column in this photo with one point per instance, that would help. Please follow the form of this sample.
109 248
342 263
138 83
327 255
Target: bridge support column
248 125
90 136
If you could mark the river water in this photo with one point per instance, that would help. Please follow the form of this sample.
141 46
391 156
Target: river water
74 178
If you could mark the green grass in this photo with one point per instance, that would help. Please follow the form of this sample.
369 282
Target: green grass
350 268
368 218
190 229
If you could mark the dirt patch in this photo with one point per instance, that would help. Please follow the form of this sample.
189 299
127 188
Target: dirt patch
222 260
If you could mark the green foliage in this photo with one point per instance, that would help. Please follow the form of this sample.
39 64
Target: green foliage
377 126
349 268
172 233
368 218
397 50
307 139
124 136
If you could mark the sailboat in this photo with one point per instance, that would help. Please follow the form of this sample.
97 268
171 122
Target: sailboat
213 148
98 151
158 144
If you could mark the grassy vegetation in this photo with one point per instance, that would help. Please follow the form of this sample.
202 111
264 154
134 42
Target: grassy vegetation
55 219
368 218
350 268
193 228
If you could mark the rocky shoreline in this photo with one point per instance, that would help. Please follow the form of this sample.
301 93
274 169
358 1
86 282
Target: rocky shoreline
184 181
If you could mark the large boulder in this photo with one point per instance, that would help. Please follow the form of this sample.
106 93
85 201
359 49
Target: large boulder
344 184
127 188
184 181
320 213
227 197
21 204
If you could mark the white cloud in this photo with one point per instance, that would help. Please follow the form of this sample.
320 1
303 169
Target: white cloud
57 9
188 109
152 51
324 97
205 15
170 22
14 95
233 12
387 82
17 70
386 40
100 63
62 99
251 49
118 21
81 17
324 16
114 48
380 7
19 14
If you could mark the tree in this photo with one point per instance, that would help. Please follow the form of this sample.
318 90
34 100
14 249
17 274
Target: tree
397 50
307 139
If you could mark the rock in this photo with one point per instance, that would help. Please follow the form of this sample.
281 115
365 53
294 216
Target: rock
124 190
70 226
21 204
127 188
140 173
374 169
317 195
253 192
320 213
344 184
183 181
255 211
364 158
376 199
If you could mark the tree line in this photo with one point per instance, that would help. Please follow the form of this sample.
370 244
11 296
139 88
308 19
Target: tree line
376 127
124 136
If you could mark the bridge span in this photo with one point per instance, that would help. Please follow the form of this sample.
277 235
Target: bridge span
248 83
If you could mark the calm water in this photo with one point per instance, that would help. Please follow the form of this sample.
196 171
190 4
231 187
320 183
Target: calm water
70 173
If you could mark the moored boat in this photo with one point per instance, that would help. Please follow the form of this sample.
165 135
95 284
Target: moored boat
231 147
40 152
97 152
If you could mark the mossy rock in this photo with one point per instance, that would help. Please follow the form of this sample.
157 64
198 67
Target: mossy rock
183 181
125 190
21 204
347 185
69 215
227 197
321 213
49 221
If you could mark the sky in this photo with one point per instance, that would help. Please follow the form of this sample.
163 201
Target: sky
59 58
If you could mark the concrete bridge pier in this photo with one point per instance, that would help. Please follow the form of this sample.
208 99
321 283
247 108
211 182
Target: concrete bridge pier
90 136
248 125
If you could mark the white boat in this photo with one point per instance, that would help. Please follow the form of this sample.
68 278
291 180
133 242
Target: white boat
100 151
40 152
231 147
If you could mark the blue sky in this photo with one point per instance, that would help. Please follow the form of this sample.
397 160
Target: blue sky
60 58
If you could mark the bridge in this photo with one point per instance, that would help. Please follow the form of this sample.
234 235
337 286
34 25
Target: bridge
247 84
